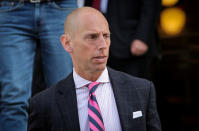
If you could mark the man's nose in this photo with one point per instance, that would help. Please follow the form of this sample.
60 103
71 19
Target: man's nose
103 43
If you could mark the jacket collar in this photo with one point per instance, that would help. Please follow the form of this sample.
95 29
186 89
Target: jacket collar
67 103
126 98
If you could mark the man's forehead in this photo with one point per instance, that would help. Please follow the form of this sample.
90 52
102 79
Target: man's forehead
96 31
93 28
91 17
92 25
88 19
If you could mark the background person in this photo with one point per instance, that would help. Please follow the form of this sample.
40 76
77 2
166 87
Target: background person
133 35
22 24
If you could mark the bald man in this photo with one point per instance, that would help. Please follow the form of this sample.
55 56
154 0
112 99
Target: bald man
93 97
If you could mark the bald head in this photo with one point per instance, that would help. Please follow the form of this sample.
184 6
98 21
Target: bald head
87 39
79 15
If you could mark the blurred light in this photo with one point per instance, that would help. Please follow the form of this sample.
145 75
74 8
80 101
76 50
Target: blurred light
169 2
172 20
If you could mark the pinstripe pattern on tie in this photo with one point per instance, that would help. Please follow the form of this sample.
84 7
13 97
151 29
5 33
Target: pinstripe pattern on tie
94 114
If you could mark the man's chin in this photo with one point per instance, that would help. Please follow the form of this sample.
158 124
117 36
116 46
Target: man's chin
100 67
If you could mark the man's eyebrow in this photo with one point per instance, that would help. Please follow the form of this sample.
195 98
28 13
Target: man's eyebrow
107 33
89 32
96 33
92 33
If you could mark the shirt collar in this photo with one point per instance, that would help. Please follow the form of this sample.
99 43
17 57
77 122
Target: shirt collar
80 82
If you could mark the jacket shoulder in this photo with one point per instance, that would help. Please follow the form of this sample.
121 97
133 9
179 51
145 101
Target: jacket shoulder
138 82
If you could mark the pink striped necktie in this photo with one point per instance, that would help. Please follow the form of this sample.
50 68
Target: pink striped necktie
94 114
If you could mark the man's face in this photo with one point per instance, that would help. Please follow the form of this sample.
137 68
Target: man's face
90 44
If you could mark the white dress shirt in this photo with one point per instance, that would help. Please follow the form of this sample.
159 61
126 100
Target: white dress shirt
105 99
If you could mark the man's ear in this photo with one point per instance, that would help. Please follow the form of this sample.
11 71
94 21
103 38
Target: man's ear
66 42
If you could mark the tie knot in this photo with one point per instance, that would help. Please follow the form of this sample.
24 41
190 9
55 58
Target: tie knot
93 86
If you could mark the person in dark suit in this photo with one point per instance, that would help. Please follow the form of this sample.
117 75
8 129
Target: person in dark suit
94 96
134 36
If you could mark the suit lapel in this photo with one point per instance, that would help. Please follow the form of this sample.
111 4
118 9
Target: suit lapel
67 103
126 98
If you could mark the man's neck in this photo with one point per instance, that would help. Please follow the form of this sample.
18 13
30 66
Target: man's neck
91 76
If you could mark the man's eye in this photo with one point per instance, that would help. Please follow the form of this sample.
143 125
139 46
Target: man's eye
106 36
92 36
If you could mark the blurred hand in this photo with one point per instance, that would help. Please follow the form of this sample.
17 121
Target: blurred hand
138 48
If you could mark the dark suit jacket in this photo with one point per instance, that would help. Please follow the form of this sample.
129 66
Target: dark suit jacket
130 20
55 109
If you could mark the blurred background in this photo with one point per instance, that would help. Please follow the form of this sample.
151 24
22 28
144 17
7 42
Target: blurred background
176 73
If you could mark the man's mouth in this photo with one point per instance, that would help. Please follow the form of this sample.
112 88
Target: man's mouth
100 59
